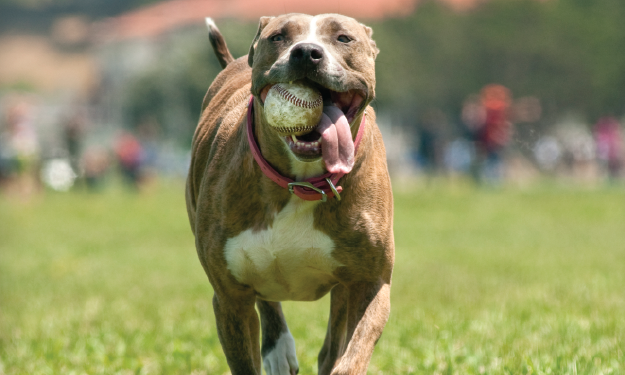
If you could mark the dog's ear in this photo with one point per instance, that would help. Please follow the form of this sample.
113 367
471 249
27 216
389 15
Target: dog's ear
261 25
374 47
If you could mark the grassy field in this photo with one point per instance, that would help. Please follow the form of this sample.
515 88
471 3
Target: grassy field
493 282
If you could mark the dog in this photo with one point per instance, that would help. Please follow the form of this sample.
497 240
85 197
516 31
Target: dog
275 221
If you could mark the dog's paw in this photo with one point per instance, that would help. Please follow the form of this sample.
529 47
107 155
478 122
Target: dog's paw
281 360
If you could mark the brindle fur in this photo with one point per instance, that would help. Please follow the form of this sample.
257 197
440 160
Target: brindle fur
227 194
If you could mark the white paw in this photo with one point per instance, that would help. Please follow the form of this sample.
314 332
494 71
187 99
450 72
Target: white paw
282 359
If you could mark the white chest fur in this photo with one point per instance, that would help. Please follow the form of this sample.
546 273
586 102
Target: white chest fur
288 261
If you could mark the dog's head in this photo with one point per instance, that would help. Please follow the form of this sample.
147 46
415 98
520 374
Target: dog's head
331 52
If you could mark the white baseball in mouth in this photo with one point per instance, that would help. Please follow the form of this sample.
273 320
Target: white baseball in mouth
331 138
293 108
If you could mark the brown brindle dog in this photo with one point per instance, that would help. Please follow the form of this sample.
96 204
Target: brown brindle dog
261 244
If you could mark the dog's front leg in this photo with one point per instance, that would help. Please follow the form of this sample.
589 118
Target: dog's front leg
278 349
334 344
238 330
368 309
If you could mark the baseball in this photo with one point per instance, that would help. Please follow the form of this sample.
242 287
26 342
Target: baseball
293 108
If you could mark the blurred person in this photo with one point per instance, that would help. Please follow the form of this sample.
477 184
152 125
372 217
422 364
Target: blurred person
148 136
95 164
20 150
609 145
429 140
73 132
6 160
129 154
579 161
473 117
473 113
459 155
488 123
527 109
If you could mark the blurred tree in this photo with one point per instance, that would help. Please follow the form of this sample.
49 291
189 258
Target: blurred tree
423 61
171 92
173 89
566 52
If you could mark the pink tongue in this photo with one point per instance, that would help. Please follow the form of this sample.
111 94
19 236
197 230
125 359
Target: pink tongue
337 146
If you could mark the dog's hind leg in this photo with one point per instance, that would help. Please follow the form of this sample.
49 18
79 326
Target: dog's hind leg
278 347
219 44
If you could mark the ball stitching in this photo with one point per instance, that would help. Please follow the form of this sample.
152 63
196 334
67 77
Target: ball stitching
295 100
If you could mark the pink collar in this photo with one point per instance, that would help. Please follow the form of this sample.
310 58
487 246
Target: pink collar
311 189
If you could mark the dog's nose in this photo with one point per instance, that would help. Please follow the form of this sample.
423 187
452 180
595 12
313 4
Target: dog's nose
307 54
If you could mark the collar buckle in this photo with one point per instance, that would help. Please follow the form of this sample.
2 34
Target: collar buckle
305 184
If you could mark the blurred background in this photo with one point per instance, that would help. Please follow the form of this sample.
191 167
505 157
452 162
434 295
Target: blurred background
503 123
495 92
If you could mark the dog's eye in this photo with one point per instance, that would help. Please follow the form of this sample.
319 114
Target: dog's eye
344 39
277 38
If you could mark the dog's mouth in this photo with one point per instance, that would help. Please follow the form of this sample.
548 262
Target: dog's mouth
331 139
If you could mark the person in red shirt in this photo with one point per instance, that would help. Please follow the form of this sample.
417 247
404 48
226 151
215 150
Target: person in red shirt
609 142
492 131
129 154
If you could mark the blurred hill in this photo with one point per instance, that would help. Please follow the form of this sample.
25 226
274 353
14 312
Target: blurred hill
39 15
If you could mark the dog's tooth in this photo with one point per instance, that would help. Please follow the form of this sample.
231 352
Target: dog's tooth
307 145
294 138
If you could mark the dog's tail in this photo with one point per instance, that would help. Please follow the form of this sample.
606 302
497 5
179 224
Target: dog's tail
219 44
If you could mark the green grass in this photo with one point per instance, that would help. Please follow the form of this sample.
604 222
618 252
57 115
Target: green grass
494 282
